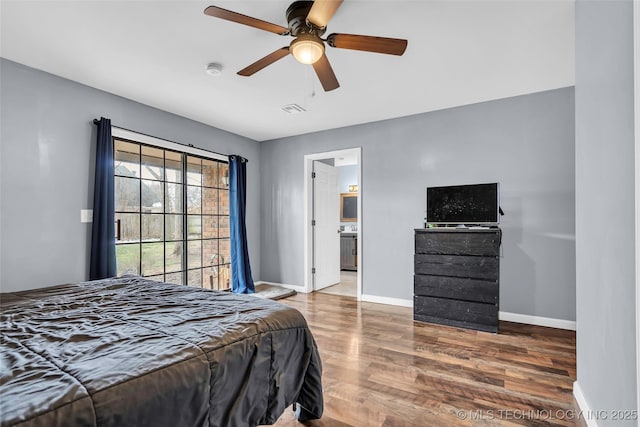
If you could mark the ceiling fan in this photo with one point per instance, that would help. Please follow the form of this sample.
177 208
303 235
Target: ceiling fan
307 22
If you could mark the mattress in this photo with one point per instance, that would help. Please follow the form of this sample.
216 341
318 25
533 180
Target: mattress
134 352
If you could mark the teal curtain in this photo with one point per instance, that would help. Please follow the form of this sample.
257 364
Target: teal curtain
103 241
240 267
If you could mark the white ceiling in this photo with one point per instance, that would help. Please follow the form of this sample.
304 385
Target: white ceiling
155 52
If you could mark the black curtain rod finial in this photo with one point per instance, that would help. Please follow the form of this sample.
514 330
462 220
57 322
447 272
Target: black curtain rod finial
96 121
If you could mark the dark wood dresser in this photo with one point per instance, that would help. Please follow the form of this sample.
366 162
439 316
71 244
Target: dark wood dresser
457 277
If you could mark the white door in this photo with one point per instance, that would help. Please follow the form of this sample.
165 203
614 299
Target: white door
326 232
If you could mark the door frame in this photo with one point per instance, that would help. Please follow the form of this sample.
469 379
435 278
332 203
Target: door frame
308 211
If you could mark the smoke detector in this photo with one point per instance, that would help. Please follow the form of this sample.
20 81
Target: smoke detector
214 69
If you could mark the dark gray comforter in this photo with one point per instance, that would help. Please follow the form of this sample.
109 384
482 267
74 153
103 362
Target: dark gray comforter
133 352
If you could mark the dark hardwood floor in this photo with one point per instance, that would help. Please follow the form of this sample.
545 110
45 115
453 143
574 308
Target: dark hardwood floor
380 368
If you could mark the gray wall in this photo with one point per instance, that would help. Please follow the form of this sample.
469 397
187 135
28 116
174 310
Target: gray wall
605 258
526 143
47 165
347 175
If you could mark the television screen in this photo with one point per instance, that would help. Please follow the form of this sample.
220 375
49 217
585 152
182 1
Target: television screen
464 204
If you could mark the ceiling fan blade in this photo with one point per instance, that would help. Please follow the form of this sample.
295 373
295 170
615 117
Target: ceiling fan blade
322 11
218 12
267 60
368 43
325 74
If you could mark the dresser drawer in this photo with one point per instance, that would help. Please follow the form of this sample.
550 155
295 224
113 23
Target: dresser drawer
456 313
472 267
482 243
456 288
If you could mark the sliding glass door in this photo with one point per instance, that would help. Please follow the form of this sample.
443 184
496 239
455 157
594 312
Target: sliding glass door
172 215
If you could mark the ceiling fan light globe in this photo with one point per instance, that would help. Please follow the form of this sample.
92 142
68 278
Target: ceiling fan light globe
307 50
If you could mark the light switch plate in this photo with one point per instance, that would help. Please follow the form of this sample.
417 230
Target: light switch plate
86 215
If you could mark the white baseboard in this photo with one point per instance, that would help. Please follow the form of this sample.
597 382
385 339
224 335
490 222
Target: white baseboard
387 300
583 406
296 288
502 315
537 320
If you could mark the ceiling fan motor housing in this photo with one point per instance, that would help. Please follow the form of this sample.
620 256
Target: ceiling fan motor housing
297 18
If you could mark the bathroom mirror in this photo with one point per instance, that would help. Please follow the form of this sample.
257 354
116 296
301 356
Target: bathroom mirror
348 207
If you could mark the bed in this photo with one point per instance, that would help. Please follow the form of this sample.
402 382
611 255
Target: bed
134 352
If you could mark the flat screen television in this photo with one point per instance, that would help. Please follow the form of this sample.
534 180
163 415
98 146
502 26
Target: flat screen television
475 204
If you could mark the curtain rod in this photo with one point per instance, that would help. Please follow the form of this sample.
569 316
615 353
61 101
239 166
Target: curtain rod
96 121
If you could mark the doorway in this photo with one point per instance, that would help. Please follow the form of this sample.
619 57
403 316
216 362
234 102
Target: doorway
315 236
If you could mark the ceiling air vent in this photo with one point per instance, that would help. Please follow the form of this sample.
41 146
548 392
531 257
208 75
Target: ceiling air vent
293 109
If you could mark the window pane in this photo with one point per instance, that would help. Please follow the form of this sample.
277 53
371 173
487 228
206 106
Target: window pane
209 173
210 257
126 159
225 250
152 197
194 170
194 227
212 260
211 278
223 173
127 194
129 227
152 227
224 277
152 163
210 201
173 198
173 256
128 259
223 204
173 227
175 278
194 199
209 226
194 278
207 279
194 256
215 281
173 166
152 258
223 226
